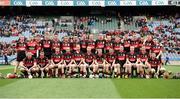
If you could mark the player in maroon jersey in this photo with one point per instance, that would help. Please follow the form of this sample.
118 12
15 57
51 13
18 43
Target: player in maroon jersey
57 63
117 43
83 43
142 60
110 59
154 65
89 56
20 49
121 59
100 61
47 45
75 43
135 43
126 42
38 44
157 49
31 46
131 62
70 62
56 43
108 44
43 65
141 41
66 44
29 65
91 43
100 42
148 42
80 61
91 61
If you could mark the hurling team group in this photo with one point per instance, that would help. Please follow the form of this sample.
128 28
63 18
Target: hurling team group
107 56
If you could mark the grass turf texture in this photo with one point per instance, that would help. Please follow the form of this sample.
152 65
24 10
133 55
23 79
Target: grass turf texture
89 88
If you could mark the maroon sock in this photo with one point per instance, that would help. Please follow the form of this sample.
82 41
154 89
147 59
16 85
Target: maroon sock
82 73
59 73
72 73
50 73
129 74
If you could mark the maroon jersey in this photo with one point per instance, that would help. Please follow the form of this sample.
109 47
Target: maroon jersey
83 43
77 56
148 44
110 57
140 44
100 44
38 45
57 57
89 57
121 56
29 62
68 57
132 57
99 59
154 62
108 45
143 56
46 44
117 45
127 43
91 43
156 48
73 45
56 44
66 45
31 47
21 46
42 62
135 43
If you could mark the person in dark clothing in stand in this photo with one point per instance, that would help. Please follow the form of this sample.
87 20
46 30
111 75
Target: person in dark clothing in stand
167 60
6 59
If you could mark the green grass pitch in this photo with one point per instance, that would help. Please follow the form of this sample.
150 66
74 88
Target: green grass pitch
89 88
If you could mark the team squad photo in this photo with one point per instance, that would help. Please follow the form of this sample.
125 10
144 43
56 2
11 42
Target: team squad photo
89 49
117 54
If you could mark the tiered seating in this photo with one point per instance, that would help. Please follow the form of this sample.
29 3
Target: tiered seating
152 26
103 26
108 26
172 56
8 39
10 58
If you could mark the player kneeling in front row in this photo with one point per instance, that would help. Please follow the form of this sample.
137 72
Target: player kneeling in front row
100 61
42 65
29 66
80 62
111 65
121 59
57 64
92 63
143 65
131 63
154 65
83 65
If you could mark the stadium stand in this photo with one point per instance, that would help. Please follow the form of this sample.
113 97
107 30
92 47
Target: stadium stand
67 25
